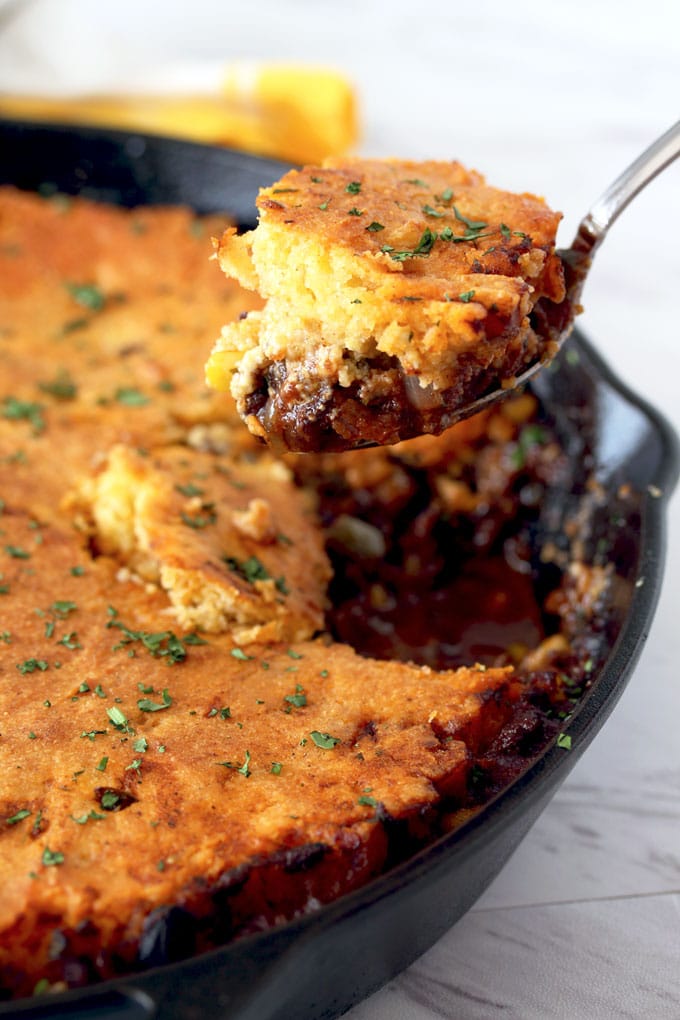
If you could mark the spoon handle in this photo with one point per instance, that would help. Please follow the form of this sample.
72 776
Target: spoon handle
594 226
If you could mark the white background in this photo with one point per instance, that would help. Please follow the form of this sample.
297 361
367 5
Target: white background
555 98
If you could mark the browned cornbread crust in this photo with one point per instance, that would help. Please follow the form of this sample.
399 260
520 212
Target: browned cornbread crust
145 766
395 291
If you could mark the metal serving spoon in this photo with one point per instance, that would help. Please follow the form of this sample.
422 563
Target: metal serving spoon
577 259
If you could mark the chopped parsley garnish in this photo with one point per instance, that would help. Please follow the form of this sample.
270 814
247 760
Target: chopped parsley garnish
101 765
238 653
429 211
70 641
61 387
146 705
252 569
324 206
118 718
564 741
324 740
140 745
109 800
423 248
18 817
86 294
367 801
23 410
30 666
505 231
62 607
206 516
354 187
243 770
276 768
355 212
466 296
130 396
374 227
189 490
89 816
299 699
77 571
417 181
160 644
470 224
52 857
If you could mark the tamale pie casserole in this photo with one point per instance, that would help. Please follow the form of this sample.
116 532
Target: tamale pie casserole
233 683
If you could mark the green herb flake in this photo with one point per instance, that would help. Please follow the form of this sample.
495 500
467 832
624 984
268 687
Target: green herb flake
30 666
422 249
473 225
355 212
70 641
367 801
117 718
505 232
466 296
276 768
61 387
62 607
324 740
238 653
109 800
18 817
374 227
130 396
429 211
160 644
564 741
250 569
89 816
77 571
87 295
416 181
50 858
324 206
299 699
353 188
202 519
23 410
101 765
17 553
283 191
140 745
146 705
243 770
189 490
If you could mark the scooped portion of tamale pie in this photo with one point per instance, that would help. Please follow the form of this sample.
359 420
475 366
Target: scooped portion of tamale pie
395 294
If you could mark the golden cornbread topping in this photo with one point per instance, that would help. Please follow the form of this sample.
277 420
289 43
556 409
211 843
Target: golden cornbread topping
395 292
184 725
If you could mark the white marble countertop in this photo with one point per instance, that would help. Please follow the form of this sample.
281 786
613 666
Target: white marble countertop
584 921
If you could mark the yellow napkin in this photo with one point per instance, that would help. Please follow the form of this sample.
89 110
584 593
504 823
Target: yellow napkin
298 114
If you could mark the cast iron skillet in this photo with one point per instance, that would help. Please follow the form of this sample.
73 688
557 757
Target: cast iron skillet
320 965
